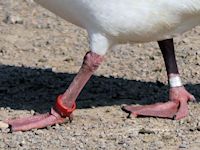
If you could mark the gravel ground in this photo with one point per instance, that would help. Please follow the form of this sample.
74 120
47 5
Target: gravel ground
39 56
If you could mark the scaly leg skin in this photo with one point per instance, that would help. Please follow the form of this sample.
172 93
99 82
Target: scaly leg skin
177 107
90 64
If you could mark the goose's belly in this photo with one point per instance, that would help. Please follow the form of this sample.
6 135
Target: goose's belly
140 21
129 20
150 30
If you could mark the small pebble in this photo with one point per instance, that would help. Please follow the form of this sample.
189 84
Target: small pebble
2 108
32 112
12 19
3 125
183 146
145 131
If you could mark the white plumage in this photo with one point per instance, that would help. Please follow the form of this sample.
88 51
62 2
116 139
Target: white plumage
109 22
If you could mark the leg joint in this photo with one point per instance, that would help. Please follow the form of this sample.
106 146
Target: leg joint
92 61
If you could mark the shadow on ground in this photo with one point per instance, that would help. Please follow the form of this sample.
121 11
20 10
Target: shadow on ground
29 88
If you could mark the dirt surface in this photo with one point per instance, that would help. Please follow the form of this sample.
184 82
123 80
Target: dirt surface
40 54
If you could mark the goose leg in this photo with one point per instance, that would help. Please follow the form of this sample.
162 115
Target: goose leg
90 63
177 106
177 91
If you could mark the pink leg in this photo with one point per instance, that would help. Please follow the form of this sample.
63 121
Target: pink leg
90 64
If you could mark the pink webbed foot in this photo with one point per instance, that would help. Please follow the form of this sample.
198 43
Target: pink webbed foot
33 122
181 95
176 108
57 115
163 110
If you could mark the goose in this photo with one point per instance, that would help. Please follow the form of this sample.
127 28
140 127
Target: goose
111 22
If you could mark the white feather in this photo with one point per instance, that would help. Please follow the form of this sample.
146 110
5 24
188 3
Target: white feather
109 22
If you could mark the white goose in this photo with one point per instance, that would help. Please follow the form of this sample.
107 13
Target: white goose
109 22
